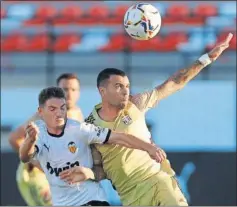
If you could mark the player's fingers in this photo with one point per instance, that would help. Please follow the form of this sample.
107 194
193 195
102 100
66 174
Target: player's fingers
228 38
64 174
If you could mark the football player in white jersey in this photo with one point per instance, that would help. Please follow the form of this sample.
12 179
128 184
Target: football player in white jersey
59 144
31 181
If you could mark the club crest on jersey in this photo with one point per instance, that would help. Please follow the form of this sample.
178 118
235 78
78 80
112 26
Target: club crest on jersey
72 147
127 119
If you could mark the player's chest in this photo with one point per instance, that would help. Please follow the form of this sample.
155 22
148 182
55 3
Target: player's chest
61 151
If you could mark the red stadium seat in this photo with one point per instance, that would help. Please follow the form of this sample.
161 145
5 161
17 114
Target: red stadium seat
71 12
178 10
143 46
3 13
98 12
14 43
194 20
95 15
117 15
38 43
63 42
34 22
68 15
176 37
46 12
205 10
117 43
169 43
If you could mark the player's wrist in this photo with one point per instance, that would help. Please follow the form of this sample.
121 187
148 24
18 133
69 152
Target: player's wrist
89 174
205 60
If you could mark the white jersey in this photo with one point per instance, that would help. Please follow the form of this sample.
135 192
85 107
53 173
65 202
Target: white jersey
60 152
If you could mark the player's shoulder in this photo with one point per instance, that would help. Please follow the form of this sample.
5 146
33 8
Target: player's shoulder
72 123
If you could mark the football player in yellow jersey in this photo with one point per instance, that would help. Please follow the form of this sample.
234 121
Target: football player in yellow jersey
138 180
31 181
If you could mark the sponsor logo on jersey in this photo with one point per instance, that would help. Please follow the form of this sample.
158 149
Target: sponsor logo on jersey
72 147
57 171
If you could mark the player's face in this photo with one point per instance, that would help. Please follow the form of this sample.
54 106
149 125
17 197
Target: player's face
54 112
117 91
72 89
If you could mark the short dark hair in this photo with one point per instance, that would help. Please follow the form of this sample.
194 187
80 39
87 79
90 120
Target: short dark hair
50 92
67 76
106 73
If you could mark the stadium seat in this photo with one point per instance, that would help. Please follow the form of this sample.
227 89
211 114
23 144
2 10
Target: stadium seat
194 20
143 46
46 12
14 42
205 10
38 43
176 37
68 15
117 43
117 15
95 15
3 12
34 22
178 10
63 42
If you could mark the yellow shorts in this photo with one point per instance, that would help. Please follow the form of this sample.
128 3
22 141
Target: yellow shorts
166 191
33 186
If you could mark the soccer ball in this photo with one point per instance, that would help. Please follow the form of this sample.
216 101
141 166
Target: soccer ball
142 21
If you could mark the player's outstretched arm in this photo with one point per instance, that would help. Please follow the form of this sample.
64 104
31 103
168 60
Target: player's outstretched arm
182 77
27 149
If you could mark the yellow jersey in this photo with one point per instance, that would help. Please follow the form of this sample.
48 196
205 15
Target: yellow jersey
131 171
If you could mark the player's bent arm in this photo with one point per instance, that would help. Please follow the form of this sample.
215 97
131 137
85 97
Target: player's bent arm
17 137
27 150
129 141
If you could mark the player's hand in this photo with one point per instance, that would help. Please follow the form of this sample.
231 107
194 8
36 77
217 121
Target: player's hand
31 131
76 174
220 47
157 153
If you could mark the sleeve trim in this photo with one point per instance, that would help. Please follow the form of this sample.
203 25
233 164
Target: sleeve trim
107 136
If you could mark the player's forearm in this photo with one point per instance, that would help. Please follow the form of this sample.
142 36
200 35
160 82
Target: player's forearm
183 76
16 143
129 141
26 150
179 80
16 138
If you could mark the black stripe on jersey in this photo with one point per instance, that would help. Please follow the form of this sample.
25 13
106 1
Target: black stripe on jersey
107 136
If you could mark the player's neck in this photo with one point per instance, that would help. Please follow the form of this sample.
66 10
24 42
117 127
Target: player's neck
108 113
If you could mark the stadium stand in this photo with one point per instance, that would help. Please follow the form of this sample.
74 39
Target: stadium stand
38 27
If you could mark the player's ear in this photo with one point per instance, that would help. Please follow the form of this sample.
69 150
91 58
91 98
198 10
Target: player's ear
102 91
40 111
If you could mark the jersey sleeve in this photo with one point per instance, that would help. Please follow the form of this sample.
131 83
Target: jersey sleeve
94 134
147 100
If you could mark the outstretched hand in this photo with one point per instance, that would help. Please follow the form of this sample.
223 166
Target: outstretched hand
220 47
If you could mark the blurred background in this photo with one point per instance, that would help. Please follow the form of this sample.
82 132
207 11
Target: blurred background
196 126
